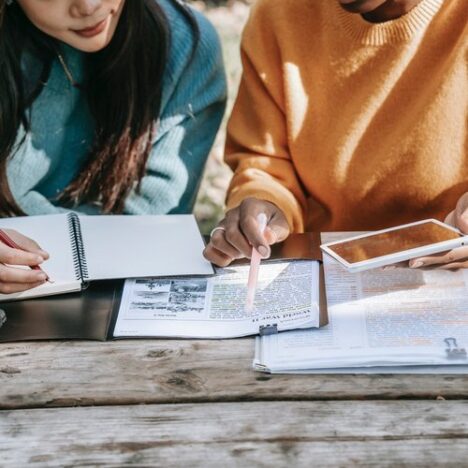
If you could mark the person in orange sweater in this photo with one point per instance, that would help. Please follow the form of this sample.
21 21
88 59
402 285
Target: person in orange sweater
351 115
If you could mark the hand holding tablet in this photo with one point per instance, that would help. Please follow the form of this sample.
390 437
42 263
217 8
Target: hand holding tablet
396 244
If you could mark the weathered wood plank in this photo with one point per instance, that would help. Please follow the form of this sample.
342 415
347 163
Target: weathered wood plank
58 374
383 433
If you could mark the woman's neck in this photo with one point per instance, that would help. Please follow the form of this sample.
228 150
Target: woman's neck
390 10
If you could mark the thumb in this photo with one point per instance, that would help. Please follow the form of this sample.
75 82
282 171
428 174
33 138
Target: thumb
461 214
462 221
26 243
450 219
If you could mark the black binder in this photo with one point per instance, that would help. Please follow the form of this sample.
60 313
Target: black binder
91 314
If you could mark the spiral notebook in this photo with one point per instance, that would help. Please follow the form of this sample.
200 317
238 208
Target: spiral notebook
87 248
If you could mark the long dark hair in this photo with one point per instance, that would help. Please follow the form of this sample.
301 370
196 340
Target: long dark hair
124 97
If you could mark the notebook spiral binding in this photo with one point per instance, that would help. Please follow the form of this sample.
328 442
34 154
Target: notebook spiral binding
79 254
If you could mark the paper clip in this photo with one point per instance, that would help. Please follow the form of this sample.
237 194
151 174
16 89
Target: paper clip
3 317
265 330
453 351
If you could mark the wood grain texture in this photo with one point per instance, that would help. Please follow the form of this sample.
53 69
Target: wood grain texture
383 433
62 374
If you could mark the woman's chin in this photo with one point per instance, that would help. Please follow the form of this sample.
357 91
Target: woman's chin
88 44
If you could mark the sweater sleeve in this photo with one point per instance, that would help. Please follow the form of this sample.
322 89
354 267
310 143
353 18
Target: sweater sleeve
21 181
257 143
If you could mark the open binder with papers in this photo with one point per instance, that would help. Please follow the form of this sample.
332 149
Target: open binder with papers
290 295
396 320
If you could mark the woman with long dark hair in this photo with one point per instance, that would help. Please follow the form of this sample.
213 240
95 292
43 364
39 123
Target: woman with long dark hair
106 107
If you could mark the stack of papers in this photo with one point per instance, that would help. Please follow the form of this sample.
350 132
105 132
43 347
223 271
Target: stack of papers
384 320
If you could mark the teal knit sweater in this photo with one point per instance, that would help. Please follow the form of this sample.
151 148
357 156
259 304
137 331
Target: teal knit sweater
61 133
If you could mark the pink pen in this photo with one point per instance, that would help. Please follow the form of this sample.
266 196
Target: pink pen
254 267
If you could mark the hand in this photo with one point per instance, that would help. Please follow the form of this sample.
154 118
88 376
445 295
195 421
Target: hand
456 258
239 231
18 279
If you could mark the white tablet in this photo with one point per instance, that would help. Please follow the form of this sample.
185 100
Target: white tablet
397 244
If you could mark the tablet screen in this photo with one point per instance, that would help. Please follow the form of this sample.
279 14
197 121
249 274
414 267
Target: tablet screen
391 242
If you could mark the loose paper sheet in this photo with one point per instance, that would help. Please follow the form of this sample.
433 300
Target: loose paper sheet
137 246
380 318
214 307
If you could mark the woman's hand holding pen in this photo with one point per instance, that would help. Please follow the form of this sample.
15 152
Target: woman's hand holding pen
28 254
239 231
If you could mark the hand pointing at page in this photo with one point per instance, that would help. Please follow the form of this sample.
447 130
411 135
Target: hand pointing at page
238 232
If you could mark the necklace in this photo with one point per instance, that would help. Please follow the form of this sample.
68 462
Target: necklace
67 71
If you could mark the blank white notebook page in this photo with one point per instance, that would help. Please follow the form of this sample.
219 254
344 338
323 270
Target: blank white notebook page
52 233
138 246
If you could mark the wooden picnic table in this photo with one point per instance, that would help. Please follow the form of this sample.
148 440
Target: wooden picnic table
198 403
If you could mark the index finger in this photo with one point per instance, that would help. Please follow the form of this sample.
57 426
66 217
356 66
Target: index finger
12 256
440 259
254 233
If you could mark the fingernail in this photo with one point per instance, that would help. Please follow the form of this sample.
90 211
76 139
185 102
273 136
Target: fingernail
39 259
263 251
41 276
417 264
273 233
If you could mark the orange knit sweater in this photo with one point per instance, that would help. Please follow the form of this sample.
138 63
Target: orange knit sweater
348 125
